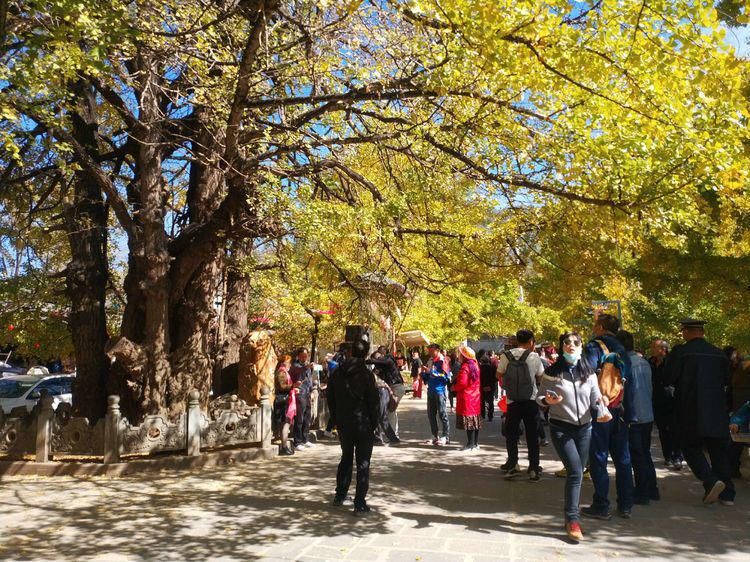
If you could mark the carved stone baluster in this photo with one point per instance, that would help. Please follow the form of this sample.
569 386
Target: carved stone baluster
193 430
44 427
112 431
314 399
265 417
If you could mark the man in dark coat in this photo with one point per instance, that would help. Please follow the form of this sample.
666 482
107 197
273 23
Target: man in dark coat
387 369
301 374
354 403
700 372
488 384
663 401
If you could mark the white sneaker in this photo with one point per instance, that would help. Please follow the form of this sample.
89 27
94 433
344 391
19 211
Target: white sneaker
300 447
309 445
442 441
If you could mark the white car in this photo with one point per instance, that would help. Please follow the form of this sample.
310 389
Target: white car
25 390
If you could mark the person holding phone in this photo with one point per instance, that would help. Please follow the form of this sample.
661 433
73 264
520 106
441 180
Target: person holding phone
570 389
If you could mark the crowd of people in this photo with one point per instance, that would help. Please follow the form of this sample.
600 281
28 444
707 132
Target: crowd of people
599 398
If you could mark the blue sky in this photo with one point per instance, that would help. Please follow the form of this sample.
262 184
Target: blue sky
738 37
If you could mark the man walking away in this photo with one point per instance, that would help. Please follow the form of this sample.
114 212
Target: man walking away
700 372
488 384
611 437
389 371
639 430
519 369
663 401
353 401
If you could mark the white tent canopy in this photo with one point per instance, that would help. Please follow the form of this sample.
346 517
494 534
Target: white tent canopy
412 338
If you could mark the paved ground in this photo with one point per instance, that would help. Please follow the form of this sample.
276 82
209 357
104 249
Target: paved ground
430 505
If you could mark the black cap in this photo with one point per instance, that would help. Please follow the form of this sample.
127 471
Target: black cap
690 323
433 346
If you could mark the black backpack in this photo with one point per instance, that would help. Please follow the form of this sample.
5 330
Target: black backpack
517 381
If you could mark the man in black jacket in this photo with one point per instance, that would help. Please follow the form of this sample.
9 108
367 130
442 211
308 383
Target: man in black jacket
663 400
301 374
700 372
354 402
388 370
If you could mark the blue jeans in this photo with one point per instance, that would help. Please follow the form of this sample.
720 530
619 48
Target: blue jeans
644 472
611 438
572 445
435 408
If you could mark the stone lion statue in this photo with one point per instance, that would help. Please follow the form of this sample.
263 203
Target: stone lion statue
256 367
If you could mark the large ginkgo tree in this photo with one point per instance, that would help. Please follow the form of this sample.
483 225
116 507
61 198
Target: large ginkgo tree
193 134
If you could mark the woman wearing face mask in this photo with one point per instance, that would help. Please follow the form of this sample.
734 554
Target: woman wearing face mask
570 389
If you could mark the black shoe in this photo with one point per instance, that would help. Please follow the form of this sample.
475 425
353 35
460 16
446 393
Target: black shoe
624 513
513 473
360 510
339 500
594 513
285 451
507 466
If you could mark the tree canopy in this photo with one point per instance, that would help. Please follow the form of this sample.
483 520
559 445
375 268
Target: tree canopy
280 153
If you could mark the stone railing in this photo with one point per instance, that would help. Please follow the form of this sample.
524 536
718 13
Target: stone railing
47 434
318 407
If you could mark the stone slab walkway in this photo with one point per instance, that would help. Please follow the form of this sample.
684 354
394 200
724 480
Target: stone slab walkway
429 504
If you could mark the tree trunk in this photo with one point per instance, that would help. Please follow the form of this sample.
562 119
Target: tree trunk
87 272
193 315
155 252
235 310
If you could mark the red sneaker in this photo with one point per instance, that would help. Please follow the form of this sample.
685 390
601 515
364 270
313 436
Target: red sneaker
573 528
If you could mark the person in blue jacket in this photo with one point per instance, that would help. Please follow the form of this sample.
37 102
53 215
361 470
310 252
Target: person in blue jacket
611 437
436 373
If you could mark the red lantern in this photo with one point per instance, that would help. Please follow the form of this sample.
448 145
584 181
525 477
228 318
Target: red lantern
37 345
11 327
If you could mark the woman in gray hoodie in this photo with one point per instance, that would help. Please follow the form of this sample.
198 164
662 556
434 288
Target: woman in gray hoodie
570 389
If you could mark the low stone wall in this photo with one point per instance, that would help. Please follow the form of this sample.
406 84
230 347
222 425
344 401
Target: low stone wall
47 434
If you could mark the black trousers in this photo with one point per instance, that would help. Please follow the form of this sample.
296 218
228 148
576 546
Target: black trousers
488 404
302 419
528 412
354 443
667 426
735 456
717 469
540 425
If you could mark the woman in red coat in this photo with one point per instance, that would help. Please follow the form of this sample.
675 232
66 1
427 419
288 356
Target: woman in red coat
468 397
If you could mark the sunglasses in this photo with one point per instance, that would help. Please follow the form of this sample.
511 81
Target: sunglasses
572 342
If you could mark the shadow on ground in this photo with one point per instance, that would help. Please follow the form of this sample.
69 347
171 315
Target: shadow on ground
273 509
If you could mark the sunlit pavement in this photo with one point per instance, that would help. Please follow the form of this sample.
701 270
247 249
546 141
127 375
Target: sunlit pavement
428 504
